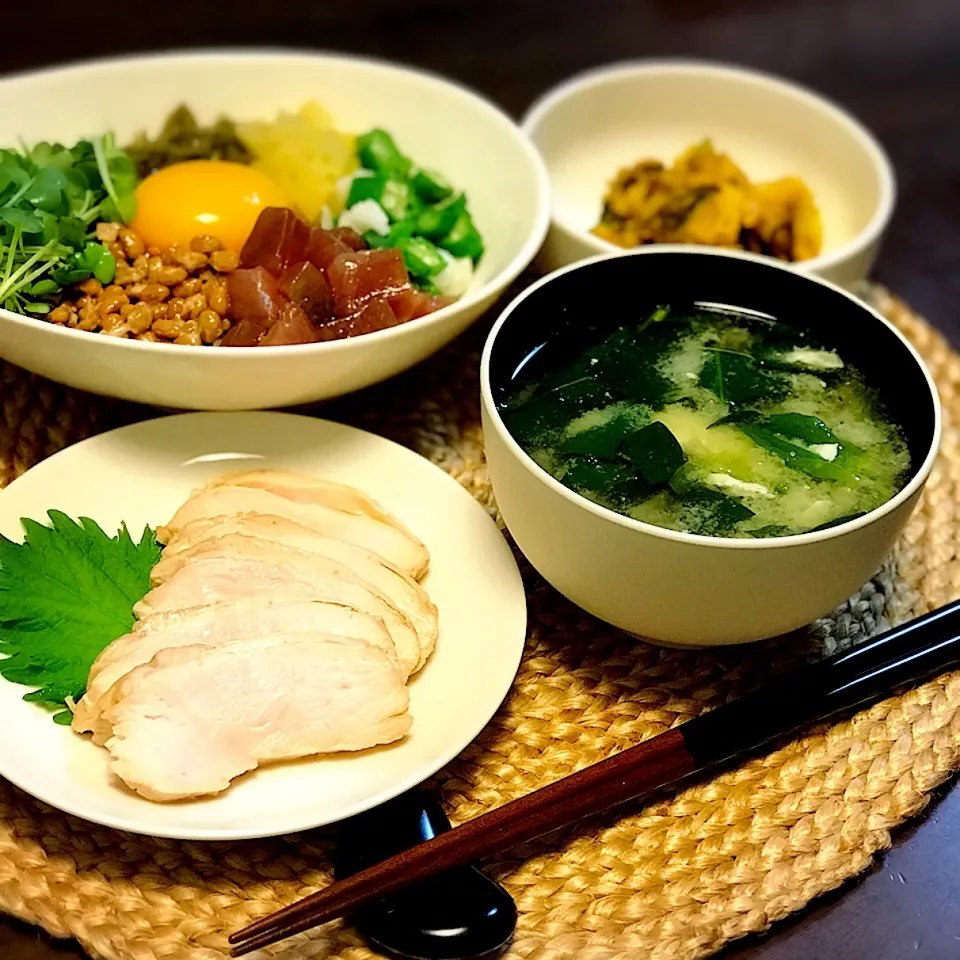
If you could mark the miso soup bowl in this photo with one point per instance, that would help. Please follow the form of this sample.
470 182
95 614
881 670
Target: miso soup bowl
681 589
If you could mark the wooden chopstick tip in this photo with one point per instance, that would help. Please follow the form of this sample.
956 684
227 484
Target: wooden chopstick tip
243 943
272 935
251 937
251 930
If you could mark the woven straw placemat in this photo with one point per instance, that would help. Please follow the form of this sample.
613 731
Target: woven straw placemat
677 878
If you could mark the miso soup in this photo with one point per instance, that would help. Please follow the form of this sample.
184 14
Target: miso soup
711 422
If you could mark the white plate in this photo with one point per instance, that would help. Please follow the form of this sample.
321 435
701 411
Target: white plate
141 474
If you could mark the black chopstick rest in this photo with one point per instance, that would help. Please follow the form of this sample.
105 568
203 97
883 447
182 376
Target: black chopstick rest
458 915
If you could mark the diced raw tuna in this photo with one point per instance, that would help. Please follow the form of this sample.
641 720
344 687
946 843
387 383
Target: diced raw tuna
292 326
431 303
360 276
412 303
254 295
278 239
350 237
404 302
372 316
306 286
323 247
244 333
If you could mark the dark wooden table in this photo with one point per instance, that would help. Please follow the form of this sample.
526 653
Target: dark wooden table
895 63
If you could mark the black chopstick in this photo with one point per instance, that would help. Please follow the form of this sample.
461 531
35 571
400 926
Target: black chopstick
875 670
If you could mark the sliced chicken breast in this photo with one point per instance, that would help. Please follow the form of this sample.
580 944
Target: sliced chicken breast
303 488
273 570
233 534
209 626
223 500
194 718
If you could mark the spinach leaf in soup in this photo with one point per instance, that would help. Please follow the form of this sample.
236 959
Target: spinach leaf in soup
627 362
737 377
545 413
838 521
805 443
802 427
770 530
713 513
655 452
711 422
593 474
633 375
602 441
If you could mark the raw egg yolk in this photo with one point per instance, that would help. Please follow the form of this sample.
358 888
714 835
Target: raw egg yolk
197 197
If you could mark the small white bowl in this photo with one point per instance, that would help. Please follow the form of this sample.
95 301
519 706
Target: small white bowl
597 123
442 125
683 589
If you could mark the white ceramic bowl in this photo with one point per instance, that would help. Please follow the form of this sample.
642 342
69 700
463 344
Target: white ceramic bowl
593 125
440 124
679 588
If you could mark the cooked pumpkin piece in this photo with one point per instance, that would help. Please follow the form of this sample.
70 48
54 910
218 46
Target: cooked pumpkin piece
705 198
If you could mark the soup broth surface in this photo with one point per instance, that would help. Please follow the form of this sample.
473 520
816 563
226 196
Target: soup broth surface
710 421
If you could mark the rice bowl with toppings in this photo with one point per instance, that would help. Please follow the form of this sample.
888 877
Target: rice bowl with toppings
500 175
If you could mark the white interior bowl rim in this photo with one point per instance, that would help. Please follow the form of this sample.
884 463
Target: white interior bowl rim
501 279
734 543
881 161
